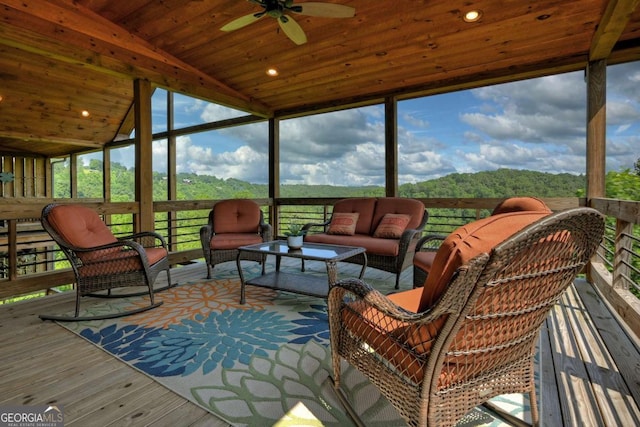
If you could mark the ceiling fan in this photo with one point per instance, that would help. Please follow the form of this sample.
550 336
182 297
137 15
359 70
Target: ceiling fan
281 9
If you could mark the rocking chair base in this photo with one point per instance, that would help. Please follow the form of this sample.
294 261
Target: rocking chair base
135 294
60 318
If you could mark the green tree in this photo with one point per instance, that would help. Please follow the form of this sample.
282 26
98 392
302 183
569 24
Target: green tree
623 185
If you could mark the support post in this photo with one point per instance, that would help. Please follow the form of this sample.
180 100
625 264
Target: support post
172 185
596 128
596 132
144 221
274 172
391 146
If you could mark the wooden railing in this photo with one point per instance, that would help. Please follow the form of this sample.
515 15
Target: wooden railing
617 274
28 256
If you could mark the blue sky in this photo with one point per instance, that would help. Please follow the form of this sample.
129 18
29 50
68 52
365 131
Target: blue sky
534 124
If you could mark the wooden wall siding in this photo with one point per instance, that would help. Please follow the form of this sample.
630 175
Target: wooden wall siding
23 244
29 177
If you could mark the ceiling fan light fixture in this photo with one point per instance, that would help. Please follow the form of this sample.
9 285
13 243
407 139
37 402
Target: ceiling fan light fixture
281 10
472 16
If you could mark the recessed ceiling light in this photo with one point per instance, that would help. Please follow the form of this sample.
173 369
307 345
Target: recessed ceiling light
85 113
472 15
272 72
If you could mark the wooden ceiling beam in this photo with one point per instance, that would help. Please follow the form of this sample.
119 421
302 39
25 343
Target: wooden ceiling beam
611 26
63 27
23 136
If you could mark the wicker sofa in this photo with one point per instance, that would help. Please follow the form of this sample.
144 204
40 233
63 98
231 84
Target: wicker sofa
387 227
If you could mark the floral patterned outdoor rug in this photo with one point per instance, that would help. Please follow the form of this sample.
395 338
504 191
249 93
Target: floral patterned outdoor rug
263 363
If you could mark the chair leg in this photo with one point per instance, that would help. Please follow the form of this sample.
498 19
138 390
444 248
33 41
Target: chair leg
344 401
169 284
505 416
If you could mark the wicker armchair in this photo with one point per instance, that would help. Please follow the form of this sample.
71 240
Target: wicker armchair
428 245
437 356
233 223
102 262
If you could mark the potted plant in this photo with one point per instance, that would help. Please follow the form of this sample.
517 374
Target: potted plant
295 235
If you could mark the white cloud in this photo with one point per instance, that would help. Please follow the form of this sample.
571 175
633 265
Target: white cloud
536 124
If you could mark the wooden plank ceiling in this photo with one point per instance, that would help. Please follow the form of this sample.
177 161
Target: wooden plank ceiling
59 57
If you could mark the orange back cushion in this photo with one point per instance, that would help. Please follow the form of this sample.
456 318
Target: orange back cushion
364 206
466 243
80 226
398 205
516 204
236 216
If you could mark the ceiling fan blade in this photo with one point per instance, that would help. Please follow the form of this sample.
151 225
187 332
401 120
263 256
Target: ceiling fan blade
292 29
242 21
328 10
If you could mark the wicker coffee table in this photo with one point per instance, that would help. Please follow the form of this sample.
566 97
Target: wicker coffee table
299 283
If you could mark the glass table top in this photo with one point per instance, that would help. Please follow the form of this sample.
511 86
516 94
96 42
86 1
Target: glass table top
317 251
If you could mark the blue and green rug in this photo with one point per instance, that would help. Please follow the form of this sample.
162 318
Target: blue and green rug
263 363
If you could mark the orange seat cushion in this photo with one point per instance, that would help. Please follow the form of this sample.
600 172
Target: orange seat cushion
233 240
384 247
406 346
236 216
118 261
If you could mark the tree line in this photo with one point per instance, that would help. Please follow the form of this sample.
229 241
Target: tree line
499 183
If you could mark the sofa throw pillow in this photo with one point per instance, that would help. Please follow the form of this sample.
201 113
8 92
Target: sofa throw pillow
343 223
391 226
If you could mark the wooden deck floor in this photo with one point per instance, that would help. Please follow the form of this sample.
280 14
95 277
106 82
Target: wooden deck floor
589 368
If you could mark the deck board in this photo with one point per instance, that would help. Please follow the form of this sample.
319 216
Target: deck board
548 398
589 367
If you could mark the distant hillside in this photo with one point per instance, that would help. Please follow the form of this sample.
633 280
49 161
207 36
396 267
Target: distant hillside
499 183
491 184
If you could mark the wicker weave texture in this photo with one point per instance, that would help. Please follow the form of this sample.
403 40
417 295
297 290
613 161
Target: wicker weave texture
479 340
